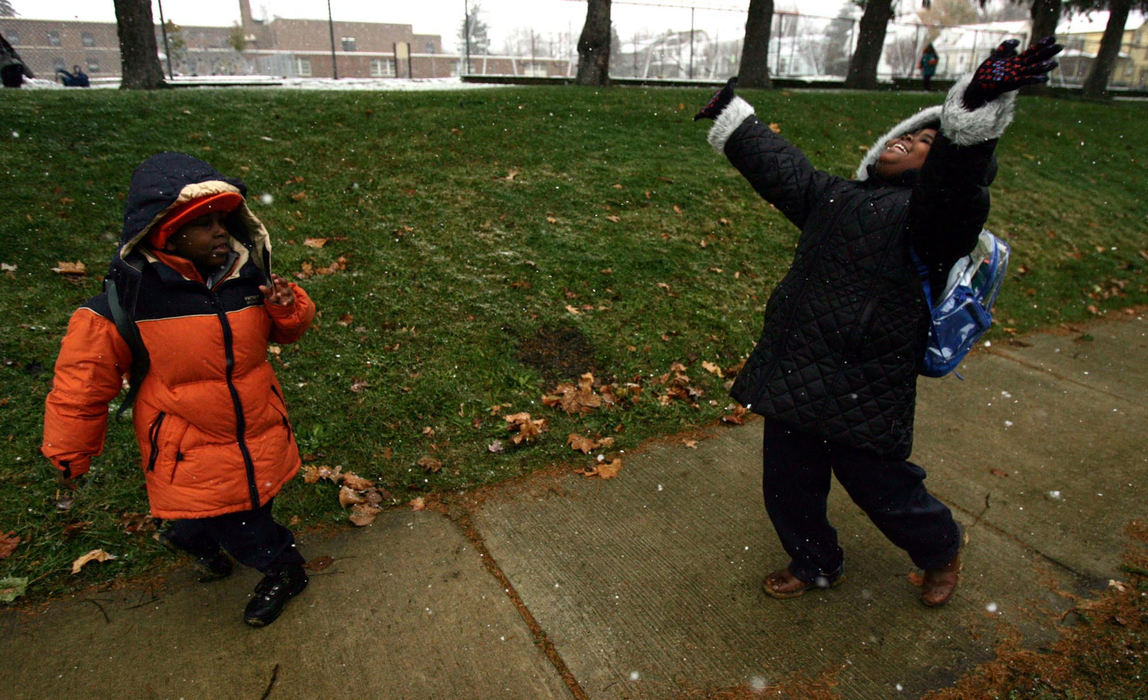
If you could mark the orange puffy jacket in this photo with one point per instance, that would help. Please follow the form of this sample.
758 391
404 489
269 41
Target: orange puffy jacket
210 416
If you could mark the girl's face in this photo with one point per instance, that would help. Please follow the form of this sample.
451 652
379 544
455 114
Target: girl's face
203 240
905 153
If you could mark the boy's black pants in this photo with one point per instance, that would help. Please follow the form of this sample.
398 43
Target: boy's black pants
796 479
252 537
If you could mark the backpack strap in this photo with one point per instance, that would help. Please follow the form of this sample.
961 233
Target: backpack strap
923 271
141 361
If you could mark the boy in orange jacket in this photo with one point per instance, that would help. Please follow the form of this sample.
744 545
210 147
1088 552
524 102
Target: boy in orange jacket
191 281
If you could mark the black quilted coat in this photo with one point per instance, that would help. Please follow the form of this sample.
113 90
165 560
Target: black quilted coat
845 329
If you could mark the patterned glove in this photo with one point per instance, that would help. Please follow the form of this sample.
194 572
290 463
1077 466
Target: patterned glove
1004 70
719 101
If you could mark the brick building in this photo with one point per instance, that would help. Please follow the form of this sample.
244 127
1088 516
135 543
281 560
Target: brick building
280 47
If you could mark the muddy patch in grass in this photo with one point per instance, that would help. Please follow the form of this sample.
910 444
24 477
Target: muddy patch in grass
559 352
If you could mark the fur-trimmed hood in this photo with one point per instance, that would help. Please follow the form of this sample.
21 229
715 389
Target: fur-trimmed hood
960 125
167 180
160 184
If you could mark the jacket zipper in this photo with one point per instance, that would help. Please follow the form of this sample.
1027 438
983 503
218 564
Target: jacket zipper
153 440
240 420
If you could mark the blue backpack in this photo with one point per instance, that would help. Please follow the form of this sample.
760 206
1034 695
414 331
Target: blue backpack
964 312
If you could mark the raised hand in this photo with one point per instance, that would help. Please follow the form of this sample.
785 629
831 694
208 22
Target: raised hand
719 101
1004 70
278 292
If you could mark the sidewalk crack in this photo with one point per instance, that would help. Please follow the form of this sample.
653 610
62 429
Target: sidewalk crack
461 516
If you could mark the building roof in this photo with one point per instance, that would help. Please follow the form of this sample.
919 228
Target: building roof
1094 22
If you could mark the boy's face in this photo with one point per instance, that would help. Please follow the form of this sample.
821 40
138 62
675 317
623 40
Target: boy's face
203 240
905 153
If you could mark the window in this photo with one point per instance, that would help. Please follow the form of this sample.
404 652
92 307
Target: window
58 64
430 47
53 38
13 38
93 65
303 67
348 43
382 68
88 39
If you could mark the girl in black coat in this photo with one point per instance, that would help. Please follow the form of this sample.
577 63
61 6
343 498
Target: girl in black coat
834 372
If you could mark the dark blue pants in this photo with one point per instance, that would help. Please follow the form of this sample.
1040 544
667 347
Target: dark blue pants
252 537
795 480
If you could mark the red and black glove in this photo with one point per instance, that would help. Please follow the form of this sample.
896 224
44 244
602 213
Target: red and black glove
719 101
1004 70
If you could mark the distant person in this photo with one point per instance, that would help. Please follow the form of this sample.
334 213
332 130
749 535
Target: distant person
835 371
13 70
193 285
928 66
77 78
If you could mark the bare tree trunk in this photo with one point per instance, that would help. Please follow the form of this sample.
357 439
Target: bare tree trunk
870 42
594 45
1096 84
139 60
1045 16
754 69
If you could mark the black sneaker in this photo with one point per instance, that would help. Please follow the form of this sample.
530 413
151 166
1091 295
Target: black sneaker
272 594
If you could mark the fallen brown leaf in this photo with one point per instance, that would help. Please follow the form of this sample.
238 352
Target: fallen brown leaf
319 563
363 514
94 555
430 464
8 544
525 428
581 443
607 470
71 268
314 242
735 418
354 481
350 497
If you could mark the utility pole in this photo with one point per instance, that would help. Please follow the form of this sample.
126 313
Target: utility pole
166 49
466 33
331 29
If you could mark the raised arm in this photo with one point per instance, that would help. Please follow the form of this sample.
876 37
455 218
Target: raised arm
950 203
776 169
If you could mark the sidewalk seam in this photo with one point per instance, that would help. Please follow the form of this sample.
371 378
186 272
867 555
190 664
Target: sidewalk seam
1006 355
461 517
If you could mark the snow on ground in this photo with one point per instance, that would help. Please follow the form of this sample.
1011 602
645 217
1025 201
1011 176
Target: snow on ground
380 84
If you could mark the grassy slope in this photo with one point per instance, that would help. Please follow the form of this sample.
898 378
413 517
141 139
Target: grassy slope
470 221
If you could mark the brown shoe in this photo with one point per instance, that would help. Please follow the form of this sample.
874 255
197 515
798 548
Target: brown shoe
937 585
783 584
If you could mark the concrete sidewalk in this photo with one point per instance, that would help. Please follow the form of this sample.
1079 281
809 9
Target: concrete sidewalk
647 586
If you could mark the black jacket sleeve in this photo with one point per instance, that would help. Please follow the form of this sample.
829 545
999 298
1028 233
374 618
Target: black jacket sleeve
950 204
777 170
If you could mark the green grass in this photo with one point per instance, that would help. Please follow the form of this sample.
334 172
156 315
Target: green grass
470 221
